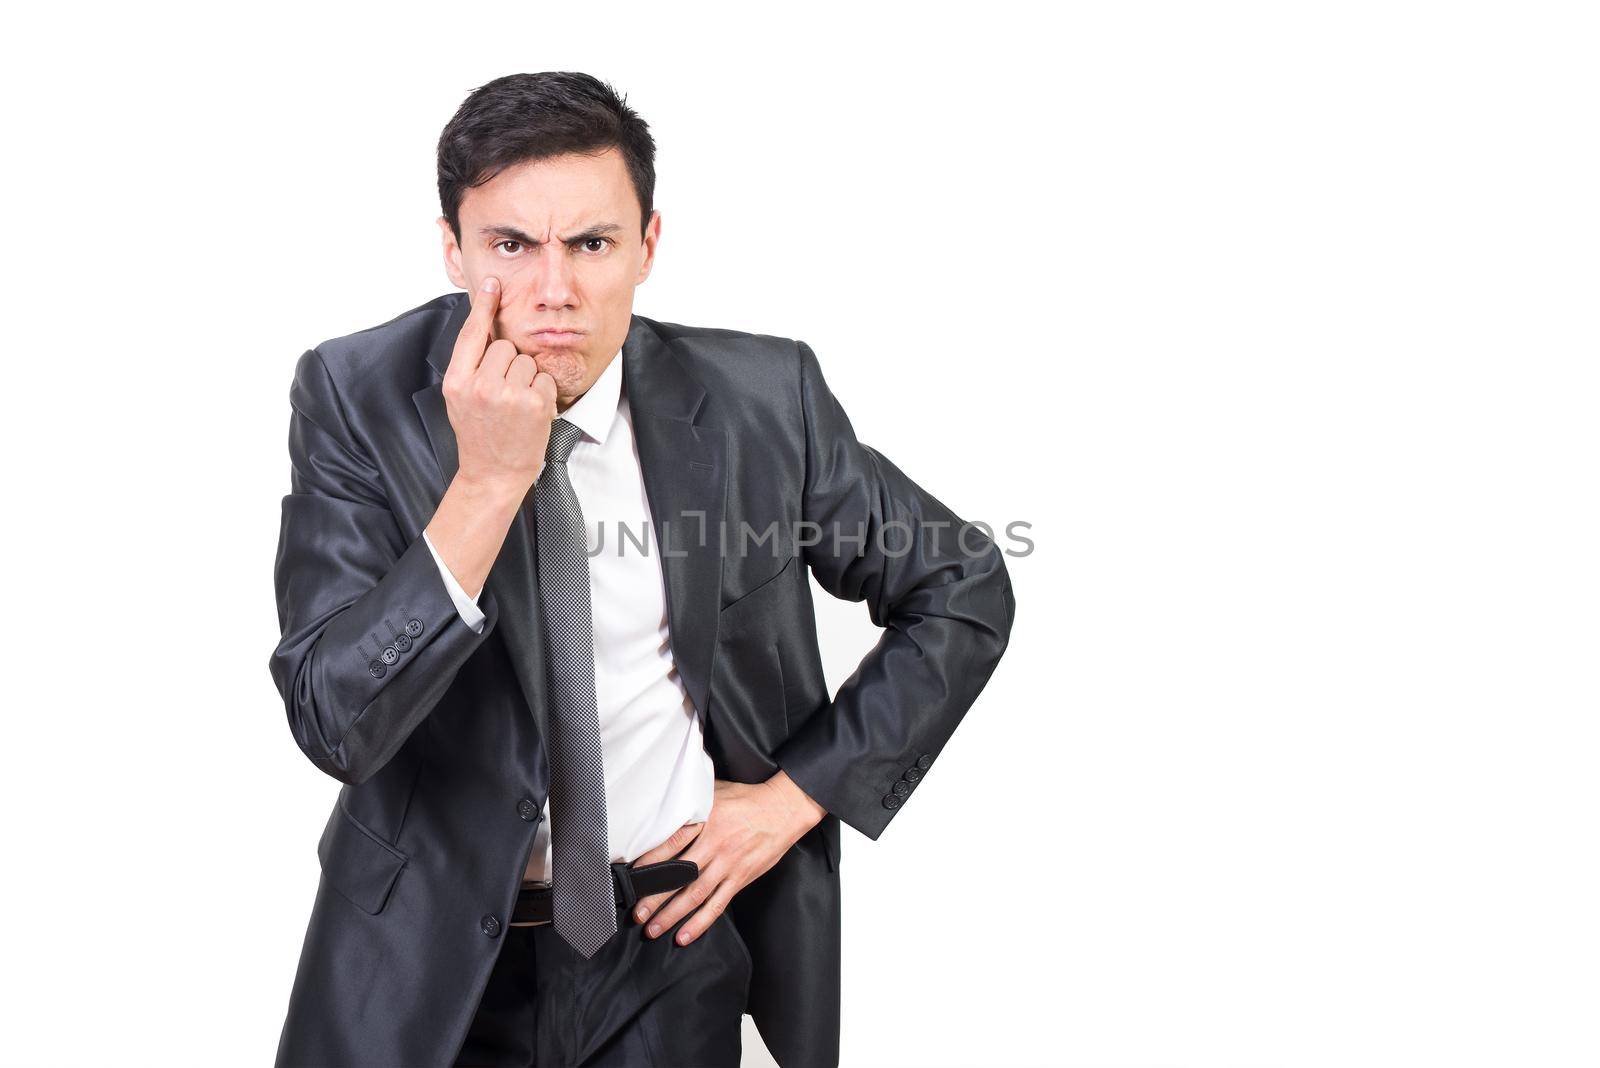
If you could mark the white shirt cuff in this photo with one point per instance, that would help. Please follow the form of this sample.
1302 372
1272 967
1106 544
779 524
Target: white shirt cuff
466 606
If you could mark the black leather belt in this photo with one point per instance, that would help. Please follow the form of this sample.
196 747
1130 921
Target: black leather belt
630 884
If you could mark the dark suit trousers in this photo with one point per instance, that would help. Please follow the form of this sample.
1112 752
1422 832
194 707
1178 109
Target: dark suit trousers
639 1001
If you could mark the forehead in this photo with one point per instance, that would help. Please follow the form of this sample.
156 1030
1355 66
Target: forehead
560 191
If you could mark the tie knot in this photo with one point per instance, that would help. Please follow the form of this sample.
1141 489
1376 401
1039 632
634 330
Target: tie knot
563 435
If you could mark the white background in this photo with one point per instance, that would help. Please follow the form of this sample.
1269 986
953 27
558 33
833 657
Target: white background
1277 322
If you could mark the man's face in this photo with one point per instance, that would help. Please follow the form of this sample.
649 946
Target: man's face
562 235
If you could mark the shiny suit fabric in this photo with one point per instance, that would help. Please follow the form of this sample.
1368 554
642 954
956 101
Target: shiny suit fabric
437 732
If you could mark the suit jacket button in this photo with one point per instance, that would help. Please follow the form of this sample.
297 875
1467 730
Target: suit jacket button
376 669
527 809
891 800
902 788
491 926
414 628
390 655
913 773
402 642
924 761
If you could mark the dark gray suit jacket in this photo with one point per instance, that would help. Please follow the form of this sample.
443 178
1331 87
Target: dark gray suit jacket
437 731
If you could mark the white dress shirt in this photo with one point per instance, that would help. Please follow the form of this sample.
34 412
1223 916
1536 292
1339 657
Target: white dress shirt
658 774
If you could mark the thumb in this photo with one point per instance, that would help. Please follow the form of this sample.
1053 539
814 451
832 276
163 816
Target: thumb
672 846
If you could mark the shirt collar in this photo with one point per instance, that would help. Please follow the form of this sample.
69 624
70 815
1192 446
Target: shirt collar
594 412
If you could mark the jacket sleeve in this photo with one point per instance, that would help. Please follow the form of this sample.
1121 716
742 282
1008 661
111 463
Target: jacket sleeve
370 636
938 588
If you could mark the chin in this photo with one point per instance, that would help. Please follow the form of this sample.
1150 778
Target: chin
566 367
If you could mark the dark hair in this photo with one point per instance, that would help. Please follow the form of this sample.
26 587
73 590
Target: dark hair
524 117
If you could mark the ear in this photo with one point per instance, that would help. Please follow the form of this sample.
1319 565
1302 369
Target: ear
452 256
652 235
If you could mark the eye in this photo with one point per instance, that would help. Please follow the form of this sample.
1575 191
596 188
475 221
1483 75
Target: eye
508 241
601 241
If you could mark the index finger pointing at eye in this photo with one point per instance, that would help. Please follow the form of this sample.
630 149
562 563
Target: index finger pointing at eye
478 330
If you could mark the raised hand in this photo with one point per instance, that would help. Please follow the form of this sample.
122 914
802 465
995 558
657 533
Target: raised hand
499 402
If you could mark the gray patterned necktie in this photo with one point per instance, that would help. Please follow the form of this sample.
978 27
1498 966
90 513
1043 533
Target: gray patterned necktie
583 905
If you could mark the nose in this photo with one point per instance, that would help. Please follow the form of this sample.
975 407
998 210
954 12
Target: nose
550 282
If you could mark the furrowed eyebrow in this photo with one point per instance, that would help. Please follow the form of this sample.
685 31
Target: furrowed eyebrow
511 233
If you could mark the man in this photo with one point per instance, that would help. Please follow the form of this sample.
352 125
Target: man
542 584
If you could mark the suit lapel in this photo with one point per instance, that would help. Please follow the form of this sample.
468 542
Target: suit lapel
684 478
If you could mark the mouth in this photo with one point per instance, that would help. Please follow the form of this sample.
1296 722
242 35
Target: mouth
558 337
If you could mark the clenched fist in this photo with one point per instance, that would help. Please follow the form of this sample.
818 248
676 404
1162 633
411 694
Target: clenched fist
500 404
